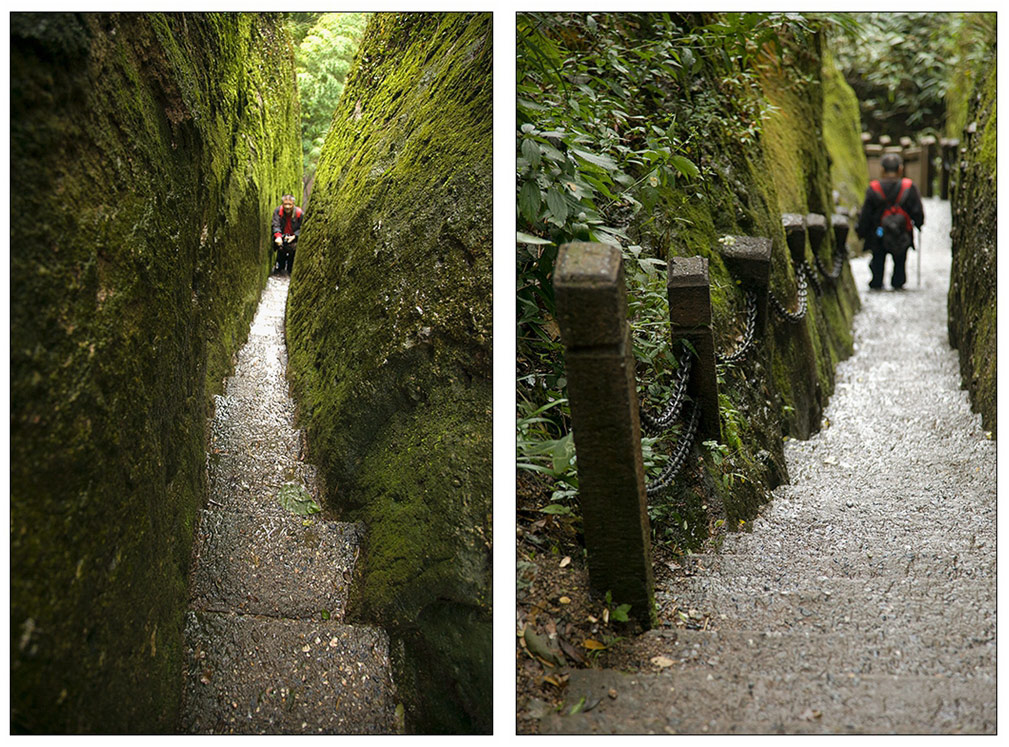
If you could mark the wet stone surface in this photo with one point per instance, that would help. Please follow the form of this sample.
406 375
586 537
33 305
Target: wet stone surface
267 651
863 599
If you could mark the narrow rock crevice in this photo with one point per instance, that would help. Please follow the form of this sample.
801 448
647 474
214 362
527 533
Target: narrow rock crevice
267 649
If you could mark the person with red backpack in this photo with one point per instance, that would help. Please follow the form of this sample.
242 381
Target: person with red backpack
286 229
891 209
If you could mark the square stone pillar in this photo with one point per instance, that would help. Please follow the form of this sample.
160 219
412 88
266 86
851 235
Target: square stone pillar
592 314
748 258
690 318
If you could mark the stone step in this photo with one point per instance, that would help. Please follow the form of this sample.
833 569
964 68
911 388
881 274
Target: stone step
251 675
826 538
275 416
811 654
748 702
251 481
842 605
931 565
273 564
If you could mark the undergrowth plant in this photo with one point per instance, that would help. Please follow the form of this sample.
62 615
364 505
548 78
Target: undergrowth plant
614 113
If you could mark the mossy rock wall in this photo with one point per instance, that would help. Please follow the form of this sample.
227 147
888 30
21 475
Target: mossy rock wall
842 134
389 331
973 279
781 388
146 153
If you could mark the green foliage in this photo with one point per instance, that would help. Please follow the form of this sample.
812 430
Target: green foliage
902 65
615 115
324 56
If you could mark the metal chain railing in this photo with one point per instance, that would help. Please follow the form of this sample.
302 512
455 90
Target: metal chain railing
835 273
779 308
806 270
679 456
655 424
751 324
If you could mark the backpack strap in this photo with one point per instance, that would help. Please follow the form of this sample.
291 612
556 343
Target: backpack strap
905 185
876 187
297 212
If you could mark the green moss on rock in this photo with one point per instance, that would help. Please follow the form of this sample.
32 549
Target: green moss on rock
972 299
146 150
389 329
782 388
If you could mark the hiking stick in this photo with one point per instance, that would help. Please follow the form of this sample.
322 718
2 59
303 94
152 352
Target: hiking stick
919 257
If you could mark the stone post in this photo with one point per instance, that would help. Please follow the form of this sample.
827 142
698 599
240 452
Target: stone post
690 318
873 153
816 228
949 156
840 225
928 155
795 235
592 314
913 165
749 260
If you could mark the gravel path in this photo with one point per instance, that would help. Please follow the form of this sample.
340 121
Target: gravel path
267 651
863 601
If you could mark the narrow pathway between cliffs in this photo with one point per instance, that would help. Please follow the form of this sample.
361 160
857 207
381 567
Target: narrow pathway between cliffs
267 649
863 601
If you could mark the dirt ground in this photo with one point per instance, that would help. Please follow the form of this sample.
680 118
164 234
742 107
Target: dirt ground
558 626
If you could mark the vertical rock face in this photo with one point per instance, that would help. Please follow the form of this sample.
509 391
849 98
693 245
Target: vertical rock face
389 330
973 287
146 152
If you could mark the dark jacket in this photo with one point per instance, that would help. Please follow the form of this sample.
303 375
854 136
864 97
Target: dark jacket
287 224
874 205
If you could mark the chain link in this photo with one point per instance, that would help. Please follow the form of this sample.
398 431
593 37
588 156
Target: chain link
800 312
805 269
839 257
751 325
679 456
656 424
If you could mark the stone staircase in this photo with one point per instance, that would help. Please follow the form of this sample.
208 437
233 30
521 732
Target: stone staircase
267 649
818 642
863 599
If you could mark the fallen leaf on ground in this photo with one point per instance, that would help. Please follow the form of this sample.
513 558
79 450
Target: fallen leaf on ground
566 561
593 645
662 661
809 715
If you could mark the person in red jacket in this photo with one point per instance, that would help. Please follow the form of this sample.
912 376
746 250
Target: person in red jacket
286 229
891 209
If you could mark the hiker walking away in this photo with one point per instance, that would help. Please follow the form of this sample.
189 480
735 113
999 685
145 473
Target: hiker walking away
286 229
891 209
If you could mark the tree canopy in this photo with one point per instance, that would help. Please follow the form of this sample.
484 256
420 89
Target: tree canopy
324 56
902 65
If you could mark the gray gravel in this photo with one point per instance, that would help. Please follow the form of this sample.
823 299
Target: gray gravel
863 599
267 650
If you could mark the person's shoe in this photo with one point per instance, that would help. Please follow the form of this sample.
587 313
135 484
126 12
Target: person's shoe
875 287
898 287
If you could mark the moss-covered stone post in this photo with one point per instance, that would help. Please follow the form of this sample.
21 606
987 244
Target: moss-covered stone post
748 258
592 313
687 287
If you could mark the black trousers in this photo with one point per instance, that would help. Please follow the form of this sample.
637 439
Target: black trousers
877 265
285 257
